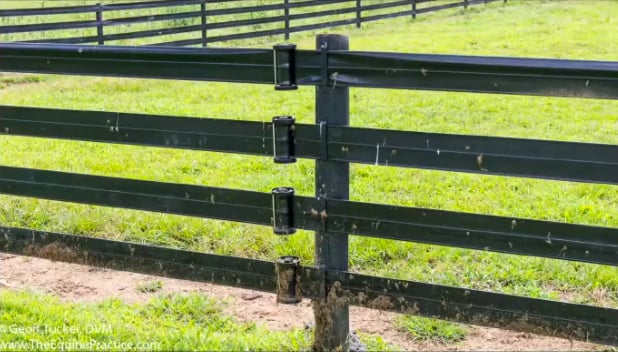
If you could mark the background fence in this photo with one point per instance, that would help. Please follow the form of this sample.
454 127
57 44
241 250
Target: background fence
333 144
199 22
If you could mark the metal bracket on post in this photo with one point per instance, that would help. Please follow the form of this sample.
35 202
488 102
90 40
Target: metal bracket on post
284 65
323 140
283 210
324 63
323 214
288 280
323 282
284 132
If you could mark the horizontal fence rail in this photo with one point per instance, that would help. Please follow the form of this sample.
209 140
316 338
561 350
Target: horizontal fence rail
483 232
573 321
204 19
544 77
582 162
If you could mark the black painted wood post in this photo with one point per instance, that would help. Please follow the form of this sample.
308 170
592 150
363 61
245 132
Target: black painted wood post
465 4
332 326
286 14
99 14
413 9
204 22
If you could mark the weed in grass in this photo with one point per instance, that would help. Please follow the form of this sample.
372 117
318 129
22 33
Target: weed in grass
425 329
376 343
150 286
7 79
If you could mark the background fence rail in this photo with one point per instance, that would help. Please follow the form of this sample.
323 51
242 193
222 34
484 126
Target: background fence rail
198 20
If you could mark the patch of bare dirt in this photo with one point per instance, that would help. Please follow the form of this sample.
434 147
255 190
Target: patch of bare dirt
73 282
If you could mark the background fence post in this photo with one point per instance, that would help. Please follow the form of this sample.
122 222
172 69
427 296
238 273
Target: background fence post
332 327
413 9
359 17
286 13
99 14
465 4
204 22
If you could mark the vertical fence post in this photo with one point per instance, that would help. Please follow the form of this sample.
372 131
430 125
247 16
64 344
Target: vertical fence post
99 15
359 17
465 4
332 326
413 9
286 14
204 22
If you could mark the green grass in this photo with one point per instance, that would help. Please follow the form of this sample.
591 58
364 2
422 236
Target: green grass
13 79
150 286
36 322
425 329
167 323
566 29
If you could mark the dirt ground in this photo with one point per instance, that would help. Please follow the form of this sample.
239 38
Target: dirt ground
74 282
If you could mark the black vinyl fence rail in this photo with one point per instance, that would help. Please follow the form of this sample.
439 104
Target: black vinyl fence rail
333 144
198 21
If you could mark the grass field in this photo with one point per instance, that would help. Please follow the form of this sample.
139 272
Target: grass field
185 322
566 29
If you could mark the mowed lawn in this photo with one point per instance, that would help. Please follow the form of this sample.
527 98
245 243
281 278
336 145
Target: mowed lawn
566 29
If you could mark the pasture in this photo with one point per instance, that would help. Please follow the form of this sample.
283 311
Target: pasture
569 29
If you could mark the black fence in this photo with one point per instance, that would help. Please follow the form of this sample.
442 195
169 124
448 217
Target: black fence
333 144
198 21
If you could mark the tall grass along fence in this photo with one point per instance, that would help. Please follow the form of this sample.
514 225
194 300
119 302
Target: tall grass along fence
199 22
332 69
